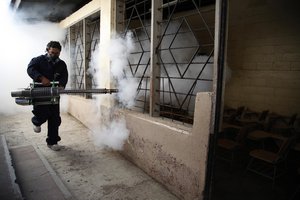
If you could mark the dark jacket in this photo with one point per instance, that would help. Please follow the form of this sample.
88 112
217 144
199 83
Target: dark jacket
43 66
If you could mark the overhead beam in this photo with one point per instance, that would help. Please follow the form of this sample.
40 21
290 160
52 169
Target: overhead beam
82 13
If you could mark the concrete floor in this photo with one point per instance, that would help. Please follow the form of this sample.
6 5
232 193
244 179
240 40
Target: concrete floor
87 171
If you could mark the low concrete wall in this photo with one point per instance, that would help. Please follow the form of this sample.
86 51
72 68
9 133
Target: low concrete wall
172 153
83 109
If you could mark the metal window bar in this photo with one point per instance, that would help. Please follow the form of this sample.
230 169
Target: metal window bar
78 58
66 47
177 25
137 14
93 27
180 102
74 44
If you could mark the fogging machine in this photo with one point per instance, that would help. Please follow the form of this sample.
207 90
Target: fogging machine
36 94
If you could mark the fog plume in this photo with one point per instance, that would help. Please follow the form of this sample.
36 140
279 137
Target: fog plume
119 52
20 41
110 129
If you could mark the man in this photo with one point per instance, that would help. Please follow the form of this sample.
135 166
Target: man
44 69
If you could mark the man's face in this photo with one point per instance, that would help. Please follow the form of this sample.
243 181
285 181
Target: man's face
53 52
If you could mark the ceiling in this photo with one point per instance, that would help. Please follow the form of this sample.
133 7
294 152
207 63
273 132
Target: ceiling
50 10
57 10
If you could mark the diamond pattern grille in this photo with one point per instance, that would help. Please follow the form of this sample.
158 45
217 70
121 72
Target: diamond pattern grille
185 54
139 61
186 50
93 44
78 58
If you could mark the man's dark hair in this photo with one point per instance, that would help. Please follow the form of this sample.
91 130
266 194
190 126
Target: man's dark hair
53 44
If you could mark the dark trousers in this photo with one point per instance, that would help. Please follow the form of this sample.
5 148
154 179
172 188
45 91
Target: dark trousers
50 113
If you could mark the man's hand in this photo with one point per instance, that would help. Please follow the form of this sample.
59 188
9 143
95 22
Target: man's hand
45 81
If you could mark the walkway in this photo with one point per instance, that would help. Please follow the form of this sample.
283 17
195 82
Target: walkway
86 171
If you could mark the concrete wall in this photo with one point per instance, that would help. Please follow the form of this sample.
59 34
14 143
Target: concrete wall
264 55
173 154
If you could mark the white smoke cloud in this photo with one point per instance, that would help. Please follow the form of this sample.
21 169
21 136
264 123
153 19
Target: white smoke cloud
113 135
119 52
20 42
109 130
94 67
127 92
